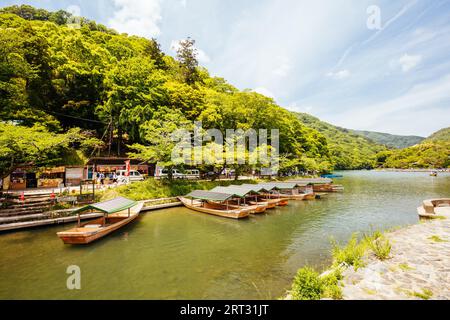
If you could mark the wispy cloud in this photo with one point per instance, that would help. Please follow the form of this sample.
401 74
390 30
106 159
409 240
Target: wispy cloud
397 16
408 62
339 75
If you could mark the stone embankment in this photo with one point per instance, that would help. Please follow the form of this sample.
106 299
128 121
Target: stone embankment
418 267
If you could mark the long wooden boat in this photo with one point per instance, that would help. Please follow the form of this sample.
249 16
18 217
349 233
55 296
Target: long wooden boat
253 207
310 196
123 211
299 196
262 203
271 203
217 209
280 200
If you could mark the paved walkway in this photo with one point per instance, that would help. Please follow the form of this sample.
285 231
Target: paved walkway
419 267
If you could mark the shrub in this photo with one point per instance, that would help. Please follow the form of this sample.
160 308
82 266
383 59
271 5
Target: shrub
331 285
351 254
307 285
381 247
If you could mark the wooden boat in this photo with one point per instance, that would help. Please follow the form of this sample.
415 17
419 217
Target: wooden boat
246 197
435 207
116 214
254 208
280 200
310 196
261 203
214 203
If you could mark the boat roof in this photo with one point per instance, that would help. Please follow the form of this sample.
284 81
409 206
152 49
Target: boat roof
210 195
240 191
268 186
255 187
285 185
110 206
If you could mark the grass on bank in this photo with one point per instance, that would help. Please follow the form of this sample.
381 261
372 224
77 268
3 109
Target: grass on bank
309 285
425 294
436 239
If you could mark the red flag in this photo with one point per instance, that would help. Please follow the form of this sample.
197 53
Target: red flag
127 168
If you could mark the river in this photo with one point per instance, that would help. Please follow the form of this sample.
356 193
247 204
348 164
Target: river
180 254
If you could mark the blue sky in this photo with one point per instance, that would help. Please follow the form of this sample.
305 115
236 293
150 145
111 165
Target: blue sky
318 57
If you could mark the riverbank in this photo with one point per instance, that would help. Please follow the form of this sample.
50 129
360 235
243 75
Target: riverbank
408 263
418 267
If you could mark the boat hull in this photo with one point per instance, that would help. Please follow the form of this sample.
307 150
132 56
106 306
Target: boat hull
231 214
82 235
86 238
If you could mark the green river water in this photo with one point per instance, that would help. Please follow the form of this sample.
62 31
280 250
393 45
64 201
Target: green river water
180 254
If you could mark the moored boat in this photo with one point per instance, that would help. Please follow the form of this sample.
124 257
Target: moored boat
214 203
116 214
247 197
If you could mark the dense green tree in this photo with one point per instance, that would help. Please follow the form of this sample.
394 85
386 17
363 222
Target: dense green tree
36 145
162 134
187 56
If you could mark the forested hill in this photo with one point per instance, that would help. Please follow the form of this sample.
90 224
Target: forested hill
87 88
348 150
433 152
441 135
391 140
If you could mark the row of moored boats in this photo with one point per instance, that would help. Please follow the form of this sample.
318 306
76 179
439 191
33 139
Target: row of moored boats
236 201
239 201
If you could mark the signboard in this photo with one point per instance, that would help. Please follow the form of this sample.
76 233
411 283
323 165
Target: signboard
74 173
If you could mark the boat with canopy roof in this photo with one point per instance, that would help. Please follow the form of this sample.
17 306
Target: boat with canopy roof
116 214
215 203
248 198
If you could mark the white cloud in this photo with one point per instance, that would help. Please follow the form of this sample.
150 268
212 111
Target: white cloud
339 75
408 62
183 3
419 99
300 108
137 17
264 91
201 55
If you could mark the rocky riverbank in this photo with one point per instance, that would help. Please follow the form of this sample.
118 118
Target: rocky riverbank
418 267
409 263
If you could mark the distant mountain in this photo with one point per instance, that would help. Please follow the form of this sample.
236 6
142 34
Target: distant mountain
433 152
348 149
441 135
391 140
